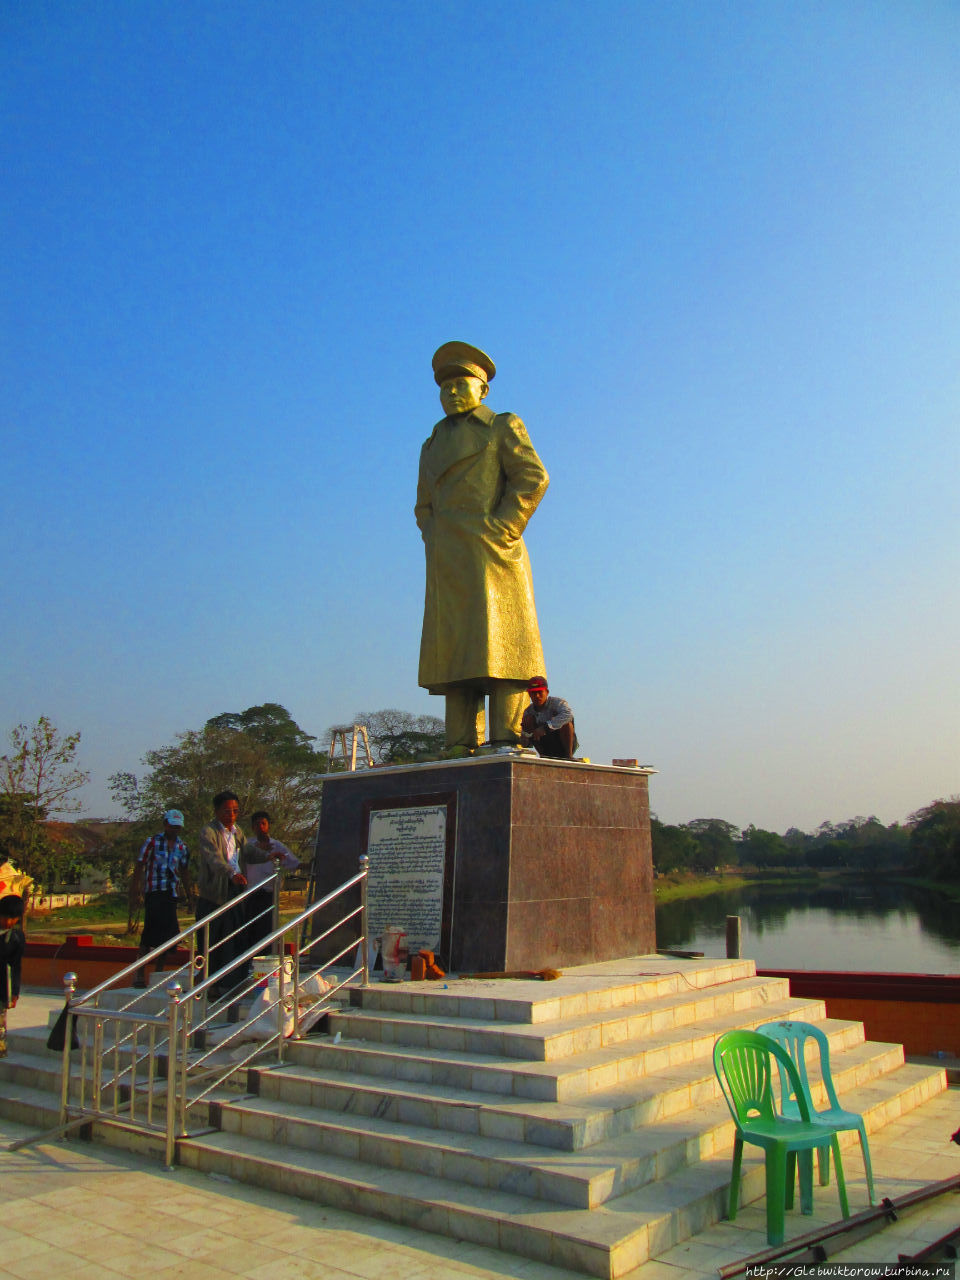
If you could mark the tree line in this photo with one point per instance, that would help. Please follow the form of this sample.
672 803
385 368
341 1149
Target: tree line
927 843
263 755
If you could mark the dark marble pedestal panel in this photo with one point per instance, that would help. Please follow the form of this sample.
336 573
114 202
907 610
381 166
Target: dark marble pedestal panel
551 859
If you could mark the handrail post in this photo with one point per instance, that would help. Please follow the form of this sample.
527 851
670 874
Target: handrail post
185 1024
296 986
206 964
281 995
275 914
364 947
173 994
69 986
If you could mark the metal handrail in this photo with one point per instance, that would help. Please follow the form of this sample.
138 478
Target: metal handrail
171 943
285 999
123 1106
176 1028
89 1004
265 944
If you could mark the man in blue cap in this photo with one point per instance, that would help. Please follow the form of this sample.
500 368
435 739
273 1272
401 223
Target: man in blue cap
161 872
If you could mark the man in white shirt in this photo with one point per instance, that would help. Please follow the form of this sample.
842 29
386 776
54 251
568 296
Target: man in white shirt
219 878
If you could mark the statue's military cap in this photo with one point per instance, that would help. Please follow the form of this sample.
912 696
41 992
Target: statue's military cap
459 357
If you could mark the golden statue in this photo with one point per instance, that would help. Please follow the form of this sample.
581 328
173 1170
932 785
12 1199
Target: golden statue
480 482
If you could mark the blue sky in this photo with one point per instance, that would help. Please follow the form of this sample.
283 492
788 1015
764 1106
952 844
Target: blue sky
714 251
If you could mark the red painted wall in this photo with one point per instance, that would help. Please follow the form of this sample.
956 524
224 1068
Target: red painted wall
921 1011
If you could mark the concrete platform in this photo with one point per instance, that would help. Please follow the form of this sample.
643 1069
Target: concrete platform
403 1119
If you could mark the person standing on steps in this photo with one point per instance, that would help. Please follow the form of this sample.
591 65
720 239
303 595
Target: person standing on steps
161 873
262 855
220 878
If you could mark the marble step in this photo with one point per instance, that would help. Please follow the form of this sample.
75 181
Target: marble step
29 1064
607 1241
555 1040
154 1001
579 1179
38 1111
37 1108
564 1126
599 987
588 1072
33 1040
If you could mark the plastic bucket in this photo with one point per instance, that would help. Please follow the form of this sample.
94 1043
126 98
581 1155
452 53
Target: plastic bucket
264 966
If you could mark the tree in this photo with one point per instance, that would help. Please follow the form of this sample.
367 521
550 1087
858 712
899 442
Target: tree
262 754
38 780
714 839
674 848
935 838
759 848
859 842
399 737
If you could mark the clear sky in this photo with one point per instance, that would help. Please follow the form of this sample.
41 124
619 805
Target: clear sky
714 249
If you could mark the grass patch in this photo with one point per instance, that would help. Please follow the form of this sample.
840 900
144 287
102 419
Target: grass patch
106 916
669 888
103 909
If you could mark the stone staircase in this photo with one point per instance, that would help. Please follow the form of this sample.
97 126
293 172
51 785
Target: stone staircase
576 1122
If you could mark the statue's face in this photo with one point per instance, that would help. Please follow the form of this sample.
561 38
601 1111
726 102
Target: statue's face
462 394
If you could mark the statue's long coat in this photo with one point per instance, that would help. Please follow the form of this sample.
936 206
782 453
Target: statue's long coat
480 481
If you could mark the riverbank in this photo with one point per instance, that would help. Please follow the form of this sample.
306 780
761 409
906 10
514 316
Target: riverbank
691 884
676 885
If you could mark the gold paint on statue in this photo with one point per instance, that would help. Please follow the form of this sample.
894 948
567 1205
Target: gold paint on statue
480 481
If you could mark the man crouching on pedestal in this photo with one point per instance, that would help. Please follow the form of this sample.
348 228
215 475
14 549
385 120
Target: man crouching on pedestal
480 482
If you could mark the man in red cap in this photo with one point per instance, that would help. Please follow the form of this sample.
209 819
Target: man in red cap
548 723
480 482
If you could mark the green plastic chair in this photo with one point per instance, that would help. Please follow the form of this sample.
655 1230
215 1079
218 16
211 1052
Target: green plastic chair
743 1061
793 1036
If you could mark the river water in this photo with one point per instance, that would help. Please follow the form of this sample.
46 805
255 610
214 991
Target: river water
869 926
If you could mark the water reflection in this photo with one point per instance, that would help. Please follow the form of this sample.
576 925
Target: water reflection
867 925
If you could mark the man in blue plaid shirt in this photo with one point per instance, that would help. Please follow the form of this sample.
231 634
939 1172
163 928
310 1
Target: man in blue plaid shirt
160 873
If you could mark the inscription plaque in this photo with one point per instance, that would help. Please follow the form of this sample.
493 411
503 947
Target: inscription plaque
407 850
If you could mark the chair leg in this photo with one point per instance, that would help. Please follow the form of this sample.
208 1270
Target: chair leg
735 1179
841 1180
776 1191
823 1163
791 1178
805 1160
867 1165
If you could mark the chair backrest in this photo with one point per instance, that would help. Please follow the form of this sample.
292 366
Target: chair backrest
794 1036
743 1062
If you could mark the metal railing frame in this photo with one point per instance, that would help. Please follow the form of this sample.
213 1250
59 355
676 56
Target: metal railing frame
168 1077
188 935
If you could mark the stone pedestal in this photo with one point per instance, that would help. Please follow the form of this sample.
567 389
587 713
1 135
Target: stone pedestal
544 863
